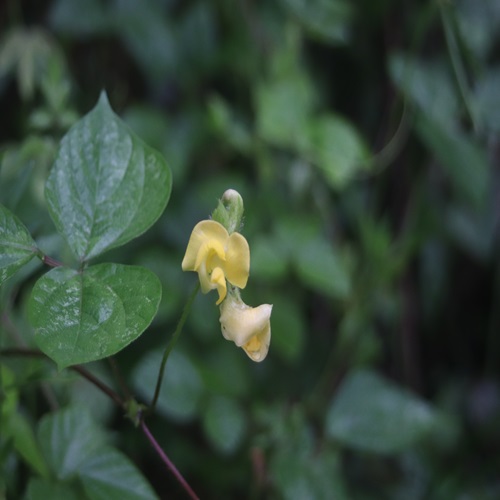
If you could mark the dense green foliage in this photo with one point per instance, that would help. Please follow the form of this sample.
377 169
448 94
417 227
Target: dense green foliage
364 139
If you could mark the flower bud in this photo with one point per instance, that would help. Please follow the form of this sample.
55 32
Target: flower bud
229 211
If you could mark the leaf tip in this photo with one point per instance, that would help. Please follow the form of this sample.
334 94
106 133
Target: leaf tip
103 99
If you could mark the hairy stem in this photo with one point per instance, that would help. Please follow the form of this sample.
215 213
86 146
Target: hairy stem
171 344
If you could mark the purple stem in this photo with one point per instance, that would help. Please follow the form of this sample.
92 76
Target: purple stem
168 463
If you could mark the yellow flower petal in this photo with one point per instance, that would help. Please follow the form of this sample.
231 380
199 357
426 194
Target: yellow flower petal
204 231
248 327
217 256
219 281
237 266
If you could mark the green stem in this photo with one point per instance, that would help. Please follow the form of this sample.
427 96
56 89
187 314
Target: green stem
171 344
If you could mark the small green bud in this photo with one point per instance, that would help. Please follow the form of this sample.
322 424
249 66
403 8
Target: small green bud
229 211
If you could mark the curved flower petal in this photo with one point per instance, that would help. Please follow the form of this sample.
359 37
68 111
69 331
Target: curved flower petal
237 260
219 281
204 231
248 327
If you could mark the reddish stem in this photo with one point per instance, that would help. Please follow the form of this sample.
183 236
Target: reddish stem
173 469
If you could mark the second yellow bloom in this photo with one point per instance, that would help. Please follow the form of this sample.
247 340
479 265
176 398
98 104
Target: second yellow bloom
217 256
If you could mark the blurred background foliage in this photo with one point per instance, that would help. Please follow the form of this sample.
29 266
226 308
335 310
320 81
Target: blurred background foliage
364 138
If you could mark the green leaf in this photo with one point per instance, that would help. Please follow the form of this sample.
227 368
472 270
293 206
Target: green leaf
478 24
224 423
22 434
326 19
323 268
338 149
289 328
299 475
182 387
85 316
106 186
427 84
486 100
372 414
69 438
76 450
110 475
464 160
146 33
16 244
283 107
41 488
269 260
67 18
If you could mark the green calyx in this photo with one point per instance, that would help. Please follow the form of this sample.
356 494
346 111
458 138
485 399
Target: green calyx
229 211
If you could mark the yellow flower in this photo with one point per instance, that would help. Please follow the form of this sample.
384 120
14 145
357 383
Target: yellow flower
217 256
248 327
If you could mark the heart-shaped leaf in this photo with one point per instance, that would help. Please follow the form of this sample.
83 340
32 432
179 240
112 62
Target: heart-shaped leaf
82 316
75 450
107 186
16 244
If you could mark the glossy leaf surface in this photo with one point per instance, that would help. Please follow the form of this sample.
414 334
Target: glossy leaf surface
84 316
106 186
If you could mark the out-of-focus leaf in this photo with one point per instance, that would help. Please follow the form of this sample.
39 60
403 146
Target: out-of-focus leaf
225 423
300 475
479 24
17 247
288 328
106 186
486 100
283 107
42 488
474 230
23 173
175 138
228 125
84 316
76 450
338 149
222 359
320 266
27 51
68 18
197 37
148 35
427 84
357 340
182 387
464 160
269 260
110 475
325 19
23 436
372 414
69 438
